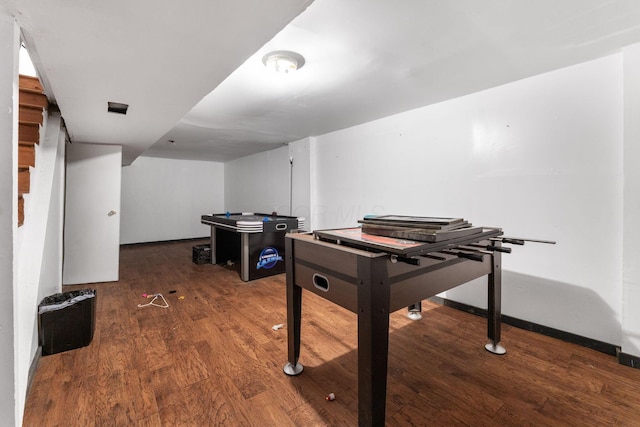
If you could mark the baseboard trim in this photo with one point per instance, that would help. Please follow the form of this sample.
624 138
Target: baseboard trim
600 346
629 360
190 239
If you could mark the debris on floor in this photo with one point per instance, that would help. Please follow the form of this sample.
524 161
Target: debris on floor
156 297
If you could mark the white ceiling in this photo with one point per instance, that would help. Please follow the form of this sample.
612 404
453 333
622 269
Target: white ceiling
192 71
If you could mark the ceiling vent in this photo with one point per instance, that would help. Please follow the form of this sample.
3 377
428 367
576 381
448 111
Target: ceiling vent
117 107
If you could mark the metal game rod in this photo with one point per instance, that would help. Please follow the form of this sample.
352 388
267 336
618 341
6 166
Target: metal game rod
492 248
474 249
520 240
475 256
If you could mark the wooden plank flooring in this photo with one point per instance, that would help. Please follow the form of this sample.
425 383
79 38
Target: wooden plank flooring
212 358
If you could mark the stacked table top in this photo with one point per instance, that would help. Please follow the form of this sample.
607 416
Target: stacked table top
409 235
423 229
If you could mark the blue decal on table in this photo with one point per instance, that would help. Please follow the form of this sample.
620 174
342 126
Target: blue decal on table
268 258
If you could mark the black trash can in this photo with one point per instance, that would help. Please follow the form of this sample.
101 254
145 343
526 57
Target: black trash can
66 321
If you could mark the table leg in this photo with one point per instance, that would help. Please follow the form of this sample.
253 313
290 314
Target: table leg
213 244
244 257
494 313
294 314
373 340
414 311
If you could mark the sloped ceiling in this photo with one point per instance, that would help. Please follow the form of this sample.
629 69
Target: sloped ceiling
197 88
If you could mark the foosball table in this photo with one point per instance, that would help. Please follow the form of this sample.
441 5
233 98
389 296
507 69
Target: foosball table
374 275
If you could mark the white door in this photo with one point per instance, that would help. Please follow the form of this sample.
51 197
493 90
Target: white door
92 214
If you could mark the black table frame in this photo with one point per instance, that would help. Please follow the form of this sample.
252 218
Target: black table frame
373 285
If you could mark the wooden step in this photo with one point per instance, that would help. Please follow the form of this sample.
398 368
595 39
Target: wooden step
29 132
33 98
30 83
26 155
32 102
24 182
30 113
20 211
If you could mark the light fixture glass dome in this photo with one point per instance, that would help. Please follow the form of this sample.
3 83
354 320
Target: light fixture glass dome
283 61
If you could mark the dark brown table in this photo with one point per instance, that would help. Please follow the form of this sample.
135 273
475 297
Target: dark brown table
374 280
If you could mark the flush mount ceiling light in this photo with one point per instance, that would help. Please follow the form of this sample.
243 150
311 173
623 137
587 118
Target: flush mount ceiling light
283 61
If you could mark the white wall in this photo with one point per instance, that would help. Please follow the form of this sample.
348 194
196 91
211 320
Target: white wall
300 154
51 274
541 158
267 182
40 252
631 269
258 183
9 44
163 199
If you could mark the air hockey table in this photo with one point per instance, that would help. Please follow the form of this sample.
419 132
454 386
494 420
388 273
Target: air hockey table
254 241
374 276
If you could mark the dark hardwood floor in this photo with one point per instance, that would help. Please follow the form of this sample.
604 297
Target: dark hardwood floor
213 358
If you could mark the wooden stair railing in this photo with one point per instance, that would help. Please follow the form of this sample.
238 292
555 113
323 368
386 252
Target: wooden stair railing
33 102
